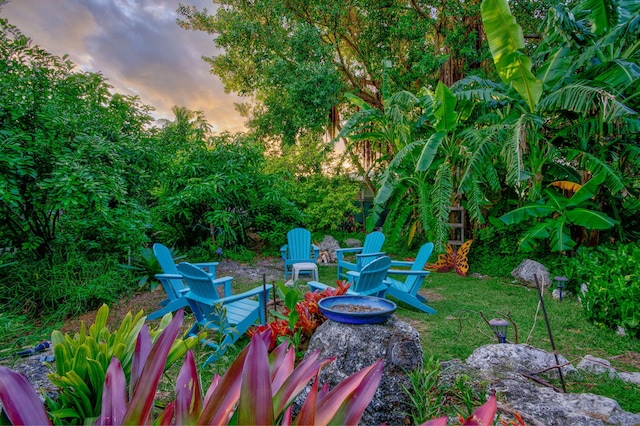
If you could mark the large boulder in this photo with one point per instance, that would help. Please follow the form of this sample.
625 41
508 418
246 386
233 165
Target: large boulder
510 371
358 346
528 269
522 358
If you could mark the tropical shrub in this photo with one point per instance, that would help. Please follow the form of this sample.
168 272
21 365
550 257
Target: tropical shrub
219 186
612 277
258 388
73 155
300 318
81 362
66 284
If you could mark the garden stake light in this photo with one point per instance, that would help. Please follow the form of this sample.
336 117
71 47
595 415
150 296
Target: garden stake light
561 283
546 320
499 327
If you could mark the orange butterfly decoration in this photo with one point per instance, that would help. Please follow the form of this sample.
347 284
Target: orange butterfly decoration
453 260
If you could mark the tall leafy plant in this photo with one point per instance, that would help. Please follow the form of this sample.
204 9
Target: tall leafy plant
572 117
555 215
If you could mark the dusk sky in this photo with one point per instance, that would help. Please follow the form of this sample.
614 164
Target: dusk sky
137 46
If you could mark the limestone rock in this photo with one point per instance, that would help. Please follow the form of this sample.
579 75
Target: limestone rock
507 357
596 365
630 377
539 405
525 272
358 346
329 246
353 242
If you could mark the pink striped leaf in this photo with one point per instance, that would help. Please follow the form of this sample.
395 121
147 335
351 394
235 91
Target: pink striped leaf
297 381
188 402
333 403
20 401
141 353
114 395
139 411
256 402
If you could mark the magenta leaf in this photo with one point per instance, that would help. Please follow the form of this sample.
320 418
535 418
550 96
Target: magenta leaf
440 421
256 402
221 402
331 408
483 415
141 403
143 348
357 401
188 403
297 380
114 395
212 388
307 414
20 401
166 416
282 361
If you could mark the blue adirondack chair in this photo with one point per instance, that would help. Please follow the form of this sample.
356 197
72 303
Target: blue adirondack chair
172 282
407 290
206 297
365 254
369 281
298 249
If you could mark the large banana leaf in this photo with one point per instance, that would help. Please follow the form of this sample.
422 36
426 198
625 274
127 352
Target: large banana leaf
505 42
560 234
590 219
603 14
529 239
429 151
445 109
526 212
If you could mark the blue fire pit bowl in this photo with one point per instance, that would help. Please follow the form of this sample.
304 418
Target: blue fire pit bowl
357 309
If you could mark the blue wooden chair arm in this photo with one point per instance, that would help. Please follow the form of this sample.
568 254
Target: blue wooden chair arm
342 251
407 272
172 284
401 263
169 276
352 276
226 282
209 267
229 299
283 251
316 251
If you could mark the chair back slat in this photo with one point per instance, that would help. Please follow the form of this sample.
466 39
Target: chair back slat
414 282
163 254
299 244
372 275
373 242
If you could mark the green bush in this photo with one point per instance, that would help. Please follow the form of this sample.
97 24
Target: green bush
69 284
612 277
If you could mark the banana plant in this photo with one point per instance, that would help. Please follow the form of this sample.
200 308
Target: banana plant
554 216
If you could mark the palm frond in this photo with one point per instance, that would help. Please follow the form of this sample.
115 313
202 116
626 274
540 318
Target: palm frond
441 201
596 165
584 97
512 153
